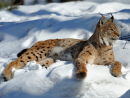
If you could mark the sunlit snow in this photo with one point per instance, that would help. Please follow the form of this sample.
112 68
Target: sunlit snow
22 27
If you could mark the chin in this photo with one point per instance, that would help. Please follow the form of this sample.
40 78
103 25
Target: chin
112 42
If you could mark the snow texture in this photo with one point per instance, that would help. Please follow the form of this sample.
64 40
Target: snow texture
21 28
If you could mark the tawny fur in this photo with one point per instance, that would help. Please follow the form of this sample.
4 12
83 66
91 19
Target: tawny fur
97 50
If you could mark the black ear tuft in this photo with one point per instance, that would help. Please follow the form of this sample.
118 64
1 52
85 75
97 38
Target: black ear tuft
102 21
112 18
101 14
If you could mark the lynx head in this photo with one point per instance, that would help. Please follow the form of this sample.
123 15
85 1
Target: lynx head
107 30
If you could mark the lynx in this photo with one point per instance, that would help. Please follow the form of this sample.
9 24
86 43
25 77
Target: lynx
98 49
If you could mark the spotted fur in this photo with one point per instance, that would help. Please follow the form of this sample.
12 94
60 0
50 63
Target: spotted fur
97 50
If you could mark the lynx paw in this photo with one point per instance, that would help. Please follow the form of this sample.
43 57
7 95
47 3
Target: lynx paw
80 75
116 70
6 76
117 74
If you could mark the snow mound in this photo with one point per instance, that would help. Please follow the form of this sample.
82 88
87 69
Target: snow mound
22 27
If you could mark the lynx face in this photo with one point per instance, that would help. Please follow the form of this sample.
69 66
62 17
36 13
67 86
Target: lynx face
112 34
108 32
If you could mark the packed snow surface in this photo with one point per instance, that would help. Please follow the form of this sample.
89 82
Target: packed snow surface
22 27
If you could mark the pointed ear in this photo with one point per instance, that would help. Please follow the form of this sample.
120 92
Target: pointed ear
102 21
112 18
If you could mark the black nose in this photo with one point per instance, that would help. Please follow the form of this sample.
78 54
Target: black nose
118 34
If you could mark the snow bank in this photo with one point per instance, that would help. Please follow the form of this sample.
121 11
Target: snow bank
23 27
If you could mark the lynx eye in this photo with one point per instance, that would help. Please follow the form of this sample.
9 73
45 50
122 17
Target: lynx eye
112 29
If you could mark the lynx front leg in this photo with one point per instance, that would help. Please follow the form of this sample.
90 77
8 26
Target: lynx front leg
116 69
81 69
87 56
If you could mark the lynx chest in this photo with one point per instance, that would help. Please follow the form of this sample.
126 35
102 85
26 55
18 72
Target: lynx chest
104 55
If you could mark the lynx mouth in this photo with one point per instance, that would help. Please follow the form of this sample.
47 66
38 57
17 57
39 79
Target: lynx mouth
114 38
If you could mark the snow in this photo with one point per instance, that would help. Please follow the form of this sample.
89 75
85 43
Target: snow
22 27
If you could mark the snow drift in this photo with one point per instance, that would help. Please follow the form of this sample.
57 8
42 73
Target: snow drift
22 27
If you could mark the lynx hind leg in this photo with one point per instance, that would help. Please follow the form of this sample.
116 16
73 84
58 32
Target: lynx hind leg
46 62
116 69
7 73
